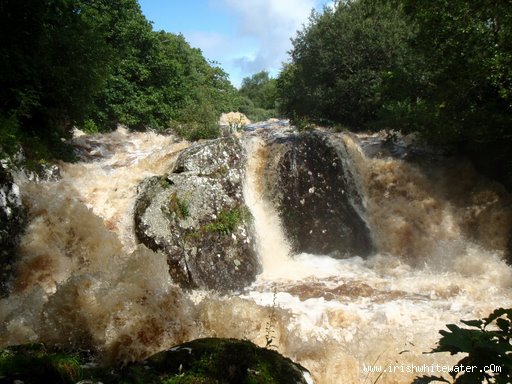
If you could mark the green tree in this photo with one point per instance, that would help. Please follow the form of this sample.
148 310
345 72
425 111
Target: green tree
258 96
260 88
202 91
53 61
95 64
340 61
207 94
459 85
131 93
158 78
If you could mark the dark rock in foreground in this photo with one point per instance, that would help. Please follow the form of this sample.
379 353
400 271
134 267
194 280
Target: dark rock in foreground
214 360
211 360
196 215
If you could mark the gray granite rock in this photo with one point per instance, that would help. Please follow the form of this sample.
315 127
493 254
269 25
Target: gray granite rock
196 215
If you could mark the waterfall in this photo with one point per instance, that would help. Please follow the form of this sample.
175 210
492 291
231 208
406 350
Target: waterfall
272 245
432 212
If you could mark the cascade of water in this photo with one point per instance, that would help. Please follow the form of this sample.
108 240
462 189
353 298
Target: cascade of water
272 245
432 212
83 280
428 271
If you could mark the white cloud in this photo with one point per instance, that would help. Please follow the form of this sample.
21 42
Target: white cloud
272 23
208 41
270 17
224 49
258 38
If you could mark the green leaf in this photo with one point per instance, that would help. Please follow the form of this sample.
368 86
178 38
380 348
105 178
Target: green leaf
459 340
473 323
496 314
503 324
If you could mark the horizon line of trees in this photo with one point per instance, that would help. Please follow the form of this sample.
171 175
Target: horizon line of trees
440 68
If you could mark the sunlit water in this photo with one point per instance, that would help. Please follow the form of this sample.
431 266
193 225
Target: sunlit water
82 279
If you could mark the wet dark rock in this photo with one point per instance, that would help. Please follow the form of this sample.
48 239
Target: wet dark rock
316 195
196 215
12 224
43 172
18 164
405 147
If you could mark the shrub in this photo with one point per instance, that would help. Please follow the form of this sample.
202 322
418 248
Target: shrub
197 120
90 127
487 344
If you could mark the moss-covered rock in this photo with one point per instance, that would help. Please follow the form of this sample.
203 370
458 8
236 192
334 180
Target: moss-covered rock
214 360
197 216
34 364
202 361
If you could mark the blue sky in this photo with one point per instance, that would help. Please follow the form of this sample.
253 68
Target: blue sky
243 36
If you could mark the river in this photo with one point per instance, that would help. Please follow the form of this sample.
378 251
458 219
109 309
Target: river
440 234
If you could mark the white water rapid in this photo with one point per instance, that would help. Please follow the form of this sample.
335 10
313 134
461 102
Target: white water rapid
83 280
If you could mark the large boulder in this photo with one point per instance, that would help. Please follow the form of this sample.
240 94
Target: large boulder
196 215
310 181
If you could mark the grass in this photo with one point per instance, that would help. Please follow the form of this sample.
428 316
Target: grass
178 206
227 220
44 366
226 223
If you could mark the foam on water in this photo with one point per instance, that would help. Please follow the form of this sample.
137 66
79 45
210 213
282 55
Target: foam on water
120 160
83 280
439 263
272 245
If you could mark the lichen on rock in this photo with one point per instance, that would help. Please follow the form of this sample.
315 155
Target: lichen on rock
196 215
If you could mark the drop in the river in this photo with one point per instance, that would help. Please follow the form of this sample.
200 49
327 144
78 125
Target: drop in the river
330 248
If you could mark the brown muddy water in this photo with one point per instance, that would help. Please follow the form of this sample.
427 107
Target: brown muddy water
441 235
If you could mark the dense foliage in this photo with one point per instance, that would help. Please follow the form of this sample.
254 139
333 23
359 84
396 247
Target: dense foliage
459 76
52 62
157 78
441 68
94 64
486 345
340 61
258 96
